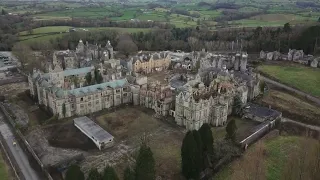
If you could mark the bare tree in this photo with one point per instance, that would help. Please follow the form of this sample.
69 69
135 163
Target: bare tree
27 57
252 166
23 53
304 161
126 45
193 43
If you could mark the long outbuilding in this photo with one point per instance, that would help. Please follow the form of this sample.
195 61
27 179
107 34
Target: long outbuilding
97 134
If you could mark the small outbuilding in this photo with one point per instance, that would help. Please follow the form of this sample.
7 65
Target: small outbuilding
97 134
260 113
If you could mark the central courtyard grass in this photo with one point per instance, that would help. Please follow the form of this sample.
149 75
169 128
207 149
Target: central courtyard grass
130 124
306 79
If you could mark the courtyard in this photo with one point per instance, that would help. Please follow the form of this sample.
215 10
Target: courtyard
128 125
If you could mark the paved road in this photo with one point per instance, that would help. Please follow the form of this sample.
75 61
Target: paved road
308 96
19 155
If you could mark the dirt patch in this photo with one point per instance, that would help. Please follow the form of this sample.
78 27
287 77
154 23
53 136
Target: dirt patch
49 155
120 124
68 136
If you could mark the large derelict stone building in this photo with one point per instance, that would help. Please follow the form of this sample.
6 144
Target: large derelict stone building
145 63
84 55
54 92
209 97
205 97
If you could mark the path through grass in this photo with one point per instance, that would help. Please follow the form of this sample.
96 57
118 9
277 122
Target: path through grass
306 79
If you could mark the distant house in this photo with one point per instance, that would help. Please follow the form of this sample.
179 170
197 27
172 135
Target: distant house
98 135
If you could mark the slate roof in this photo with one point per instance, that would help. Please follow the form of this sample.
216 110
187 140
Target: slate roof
261 111
92 129
71 72
97 87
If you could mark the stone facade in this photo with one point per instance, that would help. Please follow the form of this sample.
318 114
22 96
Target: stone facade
55 90
208 98
148 63
157 97
236 61
211 104
85 55
293 55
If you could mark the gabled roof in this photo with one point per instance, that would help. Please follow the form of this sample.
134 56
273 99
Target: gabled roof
98 87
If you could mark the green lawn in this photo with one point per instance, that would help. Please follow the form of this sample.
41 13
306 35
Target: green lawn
275 155
244 126
4 175
306 79
278 152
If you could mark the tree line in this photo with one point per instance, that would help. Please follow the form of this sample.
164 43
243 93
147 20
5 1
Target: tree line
195 39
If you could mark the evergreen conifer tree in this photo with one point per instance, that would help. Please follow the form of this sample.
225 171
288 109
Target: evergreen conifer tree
94 175
88 78
109 174
145 164
198 140
190 157
129 174
74 173
231 130
207 138
207 147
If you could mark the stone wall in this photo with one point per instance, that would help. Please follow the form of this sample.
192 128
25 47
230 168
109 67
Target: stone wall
293 55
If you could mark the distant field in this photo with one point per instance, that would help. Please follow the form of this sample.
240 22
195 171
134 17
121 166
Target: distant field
304 78
265 160
48 29
52 32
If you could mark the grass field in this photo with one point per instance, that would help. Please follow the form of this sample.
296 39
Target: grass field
244 126
265 160
292 106
303 78
4 169
277 12
52 32
130 124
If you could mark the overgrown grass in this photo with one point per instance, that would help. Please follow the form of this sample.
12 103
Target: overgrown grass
303 78
4 175
277 151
